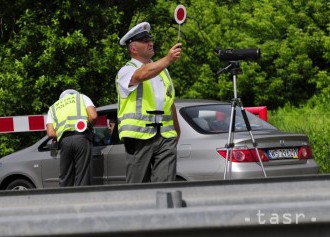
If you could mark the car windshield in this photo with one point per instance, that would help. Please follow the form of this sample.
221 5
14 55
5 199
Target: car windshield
209 119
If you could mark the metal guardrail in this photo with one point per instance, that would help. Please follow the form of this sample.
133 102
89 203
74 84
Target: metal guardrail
264 207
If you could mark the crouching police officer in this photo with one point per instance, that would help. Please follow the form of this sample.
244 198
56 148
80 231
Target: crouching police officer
70 121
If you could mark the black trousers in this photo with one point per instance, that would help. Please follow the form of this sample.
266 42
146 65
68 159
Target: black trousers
151 160
75 160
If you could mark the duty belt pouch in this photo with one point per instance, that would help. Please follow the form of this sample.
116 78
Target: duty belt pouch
129 144
53 147
89 134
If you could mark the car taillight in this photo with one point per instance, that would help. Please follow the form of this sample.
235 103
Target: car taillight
244 155
305 152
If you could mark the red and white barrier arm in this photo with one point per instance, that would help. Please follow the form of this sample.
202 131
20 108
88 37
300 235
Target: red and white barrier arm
32 123
29 123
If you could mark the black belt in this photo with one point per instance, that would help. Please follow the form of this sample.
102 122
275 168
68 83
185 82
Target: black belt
88 133
72 133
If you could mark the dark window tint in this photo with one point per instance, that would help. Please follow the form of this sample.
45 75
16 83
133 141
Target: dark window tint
216 119
106 129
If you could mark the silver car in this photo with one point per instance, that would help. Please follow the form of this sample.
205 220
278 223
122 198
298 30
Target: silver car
201 150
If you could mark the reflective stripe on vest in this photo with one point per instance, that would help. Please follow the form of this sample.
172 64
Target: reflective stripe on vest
66 112
132 115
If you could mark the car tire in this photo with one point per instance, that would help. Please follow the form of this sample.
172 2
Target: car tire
179 179
20 184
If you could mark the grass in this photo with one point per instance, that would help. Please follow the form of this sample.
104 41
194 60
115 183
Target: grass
313 123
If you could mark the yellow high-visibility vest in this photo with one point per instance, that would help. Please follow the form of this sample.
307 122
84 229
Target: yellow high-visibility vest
66 112
133 118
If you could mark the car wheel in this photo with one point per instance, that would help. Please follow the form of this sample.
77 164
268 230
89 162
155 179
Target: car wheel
20 184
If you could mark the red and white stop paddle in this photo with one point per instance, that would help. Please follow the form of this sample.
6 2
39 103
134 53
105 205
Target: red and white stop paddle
180 14
81 125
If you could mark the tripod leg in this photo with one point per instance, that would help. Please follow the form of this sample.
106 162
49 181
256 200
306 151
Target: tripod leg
230 162
226 163
248 127
230 144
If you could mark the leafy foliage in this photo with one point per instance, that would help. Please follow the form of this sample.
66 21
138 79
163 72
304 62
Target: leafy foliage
52 46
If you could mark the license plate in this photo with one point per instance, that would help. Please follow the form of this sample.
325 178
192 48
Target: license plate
282 153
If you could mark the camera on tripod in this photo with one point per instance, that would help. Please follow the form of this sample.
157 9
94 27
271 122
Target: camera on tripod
238 54
233 56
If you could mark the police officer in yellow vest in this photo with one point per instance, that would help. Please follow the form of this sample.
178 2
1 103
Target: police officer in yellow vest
69 120
147 119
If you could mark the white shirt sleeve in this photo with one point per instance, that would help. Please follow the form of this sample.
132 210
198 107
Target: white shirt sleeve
88 102
49 118
124 77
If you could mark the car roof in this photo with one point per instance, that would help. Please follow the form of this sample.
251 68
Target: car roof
178 103
106 107
194 102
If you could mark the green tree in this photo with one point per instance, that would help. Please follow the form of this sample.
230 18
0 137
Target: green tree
290 34
51 46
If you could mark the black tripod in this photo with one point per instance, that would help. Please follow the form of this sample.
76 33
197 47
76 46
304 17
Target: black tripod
235 69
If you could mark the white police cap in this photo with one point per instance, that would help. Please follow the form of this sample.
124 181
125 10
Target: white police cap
139 31
67 92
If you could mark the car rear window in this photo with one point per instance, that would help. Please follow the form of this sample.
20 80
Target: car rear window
216 119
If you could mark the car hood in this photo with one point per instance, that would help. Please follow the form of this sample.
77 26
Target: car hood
21 154
16 155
